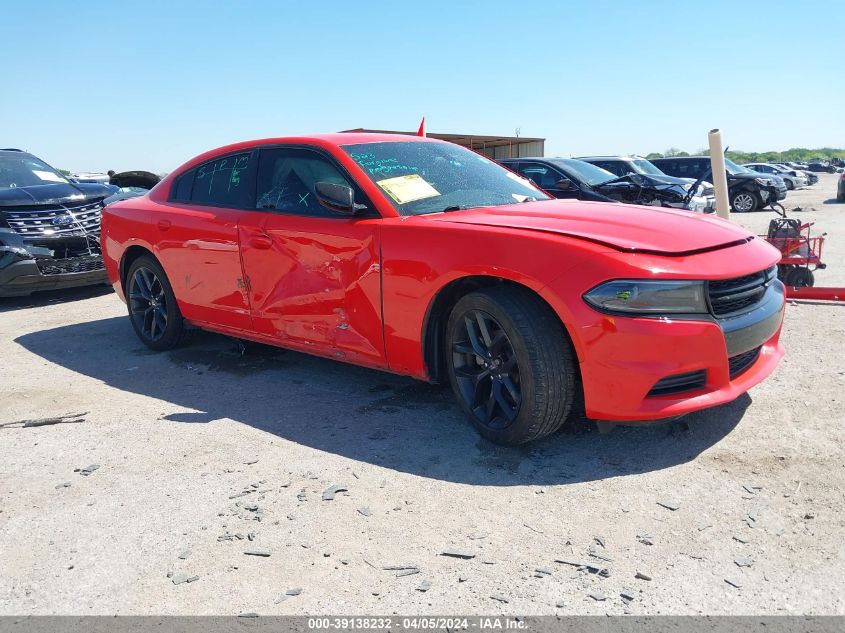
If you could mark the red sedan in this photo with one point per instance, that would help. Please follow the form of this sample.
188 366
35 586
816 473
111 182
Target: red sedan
423 258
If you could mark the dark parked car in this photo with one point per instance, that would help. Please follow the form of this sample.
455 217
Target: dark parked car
747 191
840 189
573 178
49 227
623 165
821 166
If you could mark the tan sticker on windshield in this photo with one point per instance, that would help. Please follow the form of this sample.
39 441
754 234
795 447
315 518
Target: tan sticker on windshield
408 188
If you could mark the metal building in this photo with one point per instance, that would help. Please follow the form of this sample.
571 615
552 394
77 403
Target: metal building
490 146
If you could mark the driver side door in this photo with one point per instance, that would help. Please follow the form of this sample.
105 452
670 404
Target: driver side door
313 275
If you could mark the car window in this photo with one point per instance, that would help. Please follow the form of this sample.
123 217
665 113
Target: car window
222 182
541 175
287 178
671 167
181 189
616 167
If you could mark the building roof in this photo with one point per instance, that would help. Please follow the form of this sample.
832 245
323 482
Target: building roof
465 140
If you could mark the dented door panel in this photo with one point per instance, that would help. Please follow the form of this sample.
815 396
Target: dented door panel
315 283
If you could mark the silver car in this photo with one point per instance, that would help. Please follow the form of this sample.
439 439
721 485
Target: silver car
793 178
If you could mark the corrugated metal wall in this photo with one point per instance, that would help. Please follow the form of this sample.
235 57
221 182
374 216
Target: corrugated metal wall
517 150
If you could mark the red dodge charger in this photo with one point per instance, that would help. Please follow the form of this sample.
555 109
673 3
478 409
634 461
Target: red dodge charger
423 258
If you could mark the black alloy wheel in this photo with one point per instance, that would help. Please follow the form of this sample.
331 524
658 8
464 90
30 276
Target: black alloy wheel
153 311
487 371
510 363
148 304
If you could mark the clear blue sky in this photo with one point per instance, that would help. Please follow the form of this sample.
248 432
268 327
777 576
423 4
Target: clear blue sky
146 85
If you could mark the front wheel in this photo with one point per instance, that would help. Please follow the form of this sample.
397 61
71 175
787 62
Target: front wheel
153 312
744 202
790 185
510 364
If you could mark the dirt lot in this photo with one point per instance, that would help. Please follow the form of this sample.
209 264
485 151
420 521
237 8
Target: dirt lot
179 436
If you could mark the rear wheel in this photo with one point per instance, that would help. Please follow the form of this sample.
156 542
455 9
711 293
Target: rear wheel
790 185
744 202
153 312
510 364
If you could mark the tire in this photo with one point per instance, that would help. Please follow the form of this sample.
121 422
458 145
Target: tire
744 202
802 277
510 364
790 184
152 307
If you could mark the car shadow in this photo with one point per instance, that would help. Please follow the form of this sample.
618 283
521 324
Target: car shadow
51 297
833 201
365 415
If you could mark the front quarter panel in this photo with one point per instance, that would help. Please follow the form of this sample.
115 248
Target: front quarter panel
420 257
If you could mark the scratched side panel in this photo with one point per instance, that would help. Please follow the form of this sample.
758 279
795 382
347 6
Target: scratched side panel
318 285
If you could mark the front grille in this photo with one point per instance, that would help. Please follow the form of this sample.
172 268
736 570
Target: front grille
727 296
739 363
56 219
679 383
70 265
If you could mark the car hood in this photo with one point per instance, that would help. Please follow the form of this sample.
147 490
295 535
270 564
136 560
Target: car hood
624 227
53 193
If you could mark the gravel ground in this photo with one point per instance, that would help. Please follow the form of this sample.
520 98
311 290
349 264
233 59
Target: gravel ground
205 455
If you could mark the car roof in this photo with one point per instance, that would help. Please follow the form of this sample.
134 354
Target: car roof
336 139
11 151
617 157
339 138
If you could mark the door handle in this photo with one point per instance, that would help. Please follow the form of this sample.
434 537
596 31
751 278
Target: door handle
163 225
260 242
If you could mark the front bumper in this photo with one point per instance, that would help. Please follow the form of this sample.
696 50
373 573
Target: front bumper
630 357
25 269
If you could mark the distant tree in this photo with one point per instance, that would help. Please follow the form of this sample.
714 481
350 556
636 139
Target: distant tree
798 154
63 172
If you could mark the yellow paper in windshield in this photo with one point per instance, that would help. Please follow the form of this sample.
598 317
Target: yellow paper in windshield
408 188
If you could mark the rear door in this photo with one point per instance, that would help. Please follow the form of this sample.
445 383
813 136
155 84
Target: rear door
198 240
314 276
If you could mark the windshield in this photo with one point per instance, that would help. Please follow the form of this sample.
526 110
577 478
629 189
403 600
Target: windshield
733 169
583 171
26 171
419 177
645 167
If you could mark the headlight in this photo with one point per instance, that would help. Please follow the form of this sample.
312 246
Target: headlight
638 296
764 181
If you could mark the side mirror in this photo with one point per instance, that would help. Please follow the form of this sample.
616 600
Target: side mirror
338 198
563 184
